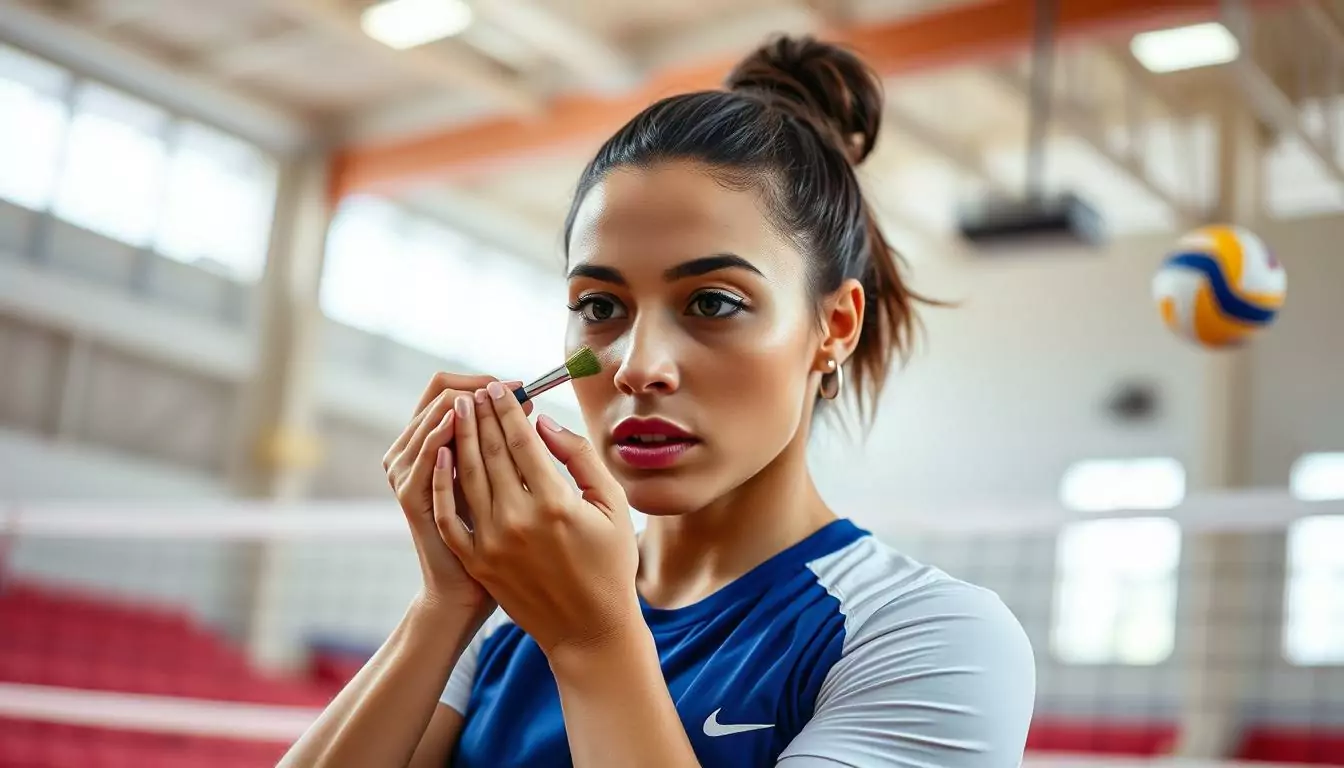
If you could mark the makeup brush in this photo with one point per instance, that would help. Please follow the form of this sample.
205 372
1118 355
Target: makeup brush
582 363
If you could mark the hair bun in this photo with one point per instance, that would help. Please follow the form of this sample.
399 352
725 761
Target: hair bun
821 82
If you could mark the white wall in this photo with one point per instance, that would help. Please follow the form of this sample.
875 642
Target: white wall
1007 387
1297 394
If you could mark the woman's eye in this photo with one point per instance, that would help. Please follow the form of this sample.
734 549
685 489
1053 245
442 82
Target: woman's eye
597 309
715 304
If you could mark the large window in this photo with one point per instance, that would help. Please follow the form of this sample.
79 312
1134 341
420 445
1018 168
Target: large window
1313 621
217 202
1110 485
130 171
1318 477
358 286
114 169
408 277
32 129
1115 591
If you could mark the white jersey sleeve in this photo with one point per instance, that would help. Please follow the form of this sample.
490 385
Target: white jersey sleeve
457 692
940 676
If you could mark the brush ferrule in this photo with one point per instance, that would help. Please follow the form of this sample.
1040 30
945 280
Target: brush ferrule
550 381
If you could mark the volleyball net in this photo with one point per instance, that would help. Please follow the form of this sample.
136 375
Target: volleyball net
1211 634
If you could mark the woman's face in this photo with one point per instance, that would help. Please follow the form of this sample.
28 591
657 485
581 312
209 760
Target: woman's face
709 337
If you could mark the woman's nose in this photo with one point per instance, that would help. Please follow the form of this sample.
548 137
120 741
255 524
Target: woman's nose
648 365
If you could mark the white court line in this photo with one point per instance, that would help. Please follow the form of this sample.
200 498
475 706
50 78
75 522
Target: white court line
159 714
1085 760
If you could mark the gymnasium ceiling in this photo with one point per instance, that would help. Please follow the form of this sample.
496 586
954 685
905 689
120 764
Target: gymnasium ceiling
452 126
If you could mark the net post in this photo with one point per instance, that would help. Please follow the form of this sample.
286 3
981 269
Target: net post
275 449
1217 597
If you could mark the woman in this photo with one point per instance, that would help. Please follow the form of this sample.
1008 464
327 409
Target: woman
723 261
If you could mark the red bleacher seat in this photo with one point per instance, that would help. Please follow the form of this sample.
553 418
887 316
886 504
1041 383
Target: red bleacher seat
1304 746
25 744
1100 737
57 636
60 637
1309 746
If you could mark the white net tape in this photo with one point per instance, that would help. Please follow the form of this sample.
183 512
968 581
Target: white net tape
1250 510
154 714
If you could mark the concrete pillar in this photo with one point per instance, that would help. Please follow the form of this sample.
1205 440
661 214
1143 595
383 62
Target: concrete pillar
277 446
1217 650
75 384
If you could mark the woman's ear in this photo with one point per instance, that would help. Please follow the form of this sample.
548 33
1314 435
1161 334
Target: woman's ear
842 321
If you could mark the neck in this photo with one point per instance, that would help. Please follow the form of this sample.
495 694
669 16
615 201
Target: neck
685 558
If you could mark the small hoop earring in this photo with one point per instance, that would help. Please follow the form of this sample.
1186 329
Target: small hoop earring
832 383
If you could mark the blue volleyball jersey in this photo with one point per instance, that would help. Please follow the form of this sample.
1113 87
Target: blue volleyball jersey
837 651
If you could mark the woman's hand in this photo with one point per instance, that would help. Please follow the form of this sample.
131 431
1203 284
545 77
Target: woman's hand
410 465
560 562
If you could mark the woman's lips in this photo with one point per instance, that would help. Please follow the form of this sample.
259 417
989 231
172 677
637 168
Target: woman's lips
659 455
651 442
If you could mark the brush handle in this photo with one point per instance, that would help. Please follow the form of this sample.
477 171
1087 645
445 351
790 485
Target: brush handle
521 395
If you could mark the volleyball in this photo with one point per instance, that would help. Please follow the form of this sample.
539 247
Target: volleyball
1219 286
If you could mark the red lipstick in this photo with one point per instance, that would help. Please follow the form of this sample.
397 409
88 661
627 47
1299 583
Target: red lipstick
651 443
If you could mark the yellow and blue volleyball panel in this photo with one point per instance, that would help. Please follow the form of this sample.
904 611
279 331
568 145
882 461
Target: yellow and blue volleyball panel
1219 286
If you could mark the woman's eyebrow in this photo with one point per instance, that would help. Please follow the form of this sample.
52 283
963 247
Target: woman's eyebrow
706 264
595 272
693 268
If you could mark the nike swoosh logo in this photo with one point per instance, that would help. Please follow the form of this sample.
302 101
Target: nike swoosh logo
714 728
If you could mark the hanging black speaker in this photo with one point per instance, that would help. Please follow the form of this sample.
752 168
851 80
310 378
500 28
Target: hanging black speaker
1133 402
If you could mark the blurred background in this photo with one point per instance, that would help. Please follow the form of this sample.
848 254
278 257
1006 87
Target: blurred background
237 238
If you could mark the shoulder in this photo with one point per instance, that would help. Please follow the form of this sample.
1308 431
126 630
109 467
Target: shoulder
884 593
931 667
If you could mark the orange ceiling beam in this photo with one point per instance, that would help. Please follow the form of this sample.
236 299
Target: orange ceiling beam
954 36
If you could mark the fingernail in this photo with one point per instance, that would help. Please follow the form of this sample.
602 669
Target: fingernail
496 389
463 406
549 423
480 396
442 460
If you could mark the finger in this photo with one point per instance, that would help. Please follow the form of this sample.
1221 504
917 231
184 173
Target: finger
455 381
470 469
434 410
422 471
452 529
583 463
404 439
499 466
413 437
529 454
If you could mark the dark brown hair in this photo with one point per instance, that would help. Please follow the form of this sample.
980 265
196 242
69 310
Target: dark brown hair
798 115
